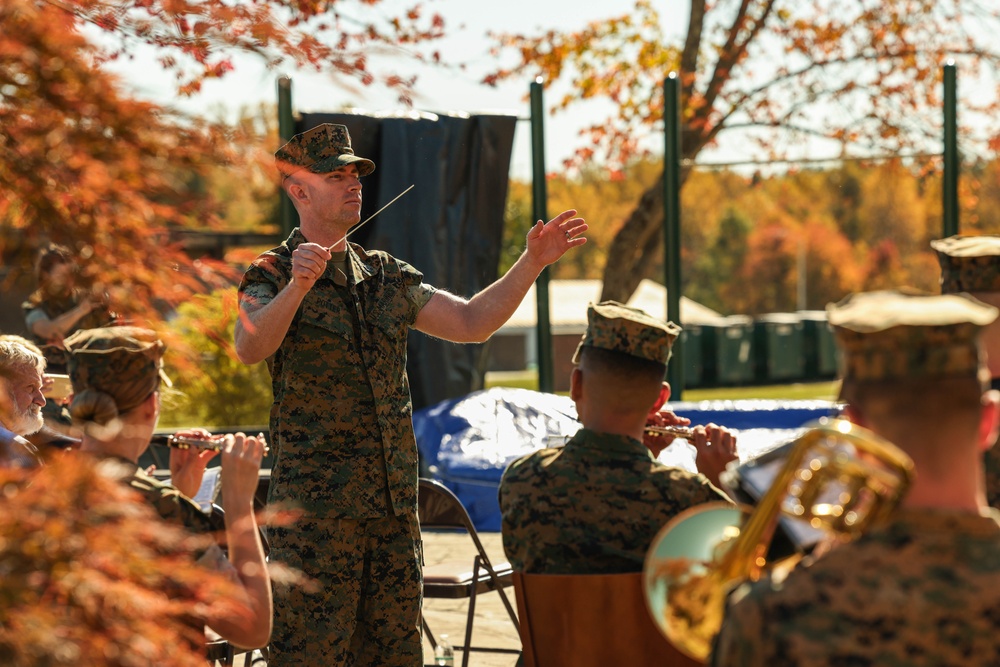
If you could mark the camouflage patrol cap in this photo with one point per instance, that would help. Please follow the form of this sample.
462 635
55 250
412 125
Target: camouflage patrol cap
893 335
321 149
619 328
969 263
123 362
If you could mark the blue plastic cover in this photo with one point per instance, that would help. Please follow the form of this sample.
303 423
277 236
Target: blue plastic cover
466 443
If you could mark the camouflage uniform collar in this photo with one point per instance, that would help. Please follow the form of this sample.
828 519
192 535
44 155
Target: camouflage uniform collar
360 269
611 444
926 520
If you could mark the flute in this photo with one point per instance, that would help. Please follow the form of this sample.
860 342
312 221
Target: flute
677 431
187 442
656 431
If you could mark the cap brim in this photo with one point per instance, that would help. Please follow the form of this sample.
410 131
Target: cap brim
365 166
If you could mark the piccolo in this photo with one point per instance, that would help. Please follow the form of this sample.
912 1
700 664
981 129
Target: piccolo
188 442
676 431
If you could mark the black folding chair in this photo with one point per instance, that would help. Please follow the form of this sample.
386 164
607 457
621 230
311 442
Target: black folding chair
439 508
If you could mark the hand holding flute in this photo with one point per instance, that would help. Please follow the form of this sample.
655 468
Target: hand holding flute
190 452
215 443
715 446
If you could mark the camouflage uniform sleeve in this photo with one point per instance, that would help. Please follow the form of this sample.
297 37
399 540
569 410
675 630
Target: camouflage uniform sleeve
417 291
739 642
511 515
263 280
174 506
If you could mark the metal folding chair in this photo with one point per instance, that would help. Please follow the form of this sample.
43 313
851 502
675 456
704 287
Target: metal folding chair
439 508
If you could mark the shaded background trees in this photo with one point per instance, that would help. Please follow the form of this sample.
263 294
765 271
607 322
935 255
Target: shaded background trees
749 239
861 77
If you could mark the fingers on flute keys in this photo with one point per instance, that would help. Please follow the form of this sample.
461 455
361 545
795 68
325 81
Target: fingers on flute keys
216 443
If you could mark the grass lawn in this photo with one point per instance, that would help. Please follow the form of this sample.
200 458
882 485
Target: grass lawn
826 391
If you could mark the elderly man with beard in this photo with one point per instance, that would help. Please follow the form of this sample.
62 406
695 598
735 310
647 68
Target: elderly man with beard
22 369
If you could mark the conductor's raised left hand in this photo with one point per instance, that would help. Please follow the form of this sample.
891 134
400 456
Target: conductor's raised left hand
548 241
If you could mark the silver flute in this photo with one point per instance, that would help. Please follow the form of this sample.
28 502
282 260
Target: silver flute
188 442
677 431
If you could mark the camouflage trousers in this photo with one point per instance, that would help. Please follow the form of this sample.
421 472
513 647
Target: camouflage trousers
365 609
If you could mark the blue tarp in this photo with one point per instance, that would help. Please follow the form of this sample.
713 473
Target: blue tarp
466 443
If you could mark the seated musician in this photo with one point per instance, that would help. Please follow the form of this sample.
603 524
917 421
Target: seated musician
923 588
22 369
116 374
594 505
972 264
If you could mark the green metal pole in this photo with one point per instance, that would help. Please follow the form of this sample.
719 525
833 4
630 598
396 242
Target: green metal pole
672 223
539 211
951 162
286 130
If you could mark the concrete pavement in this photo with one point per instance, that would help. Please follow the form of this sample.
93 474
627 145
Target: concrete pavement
492 625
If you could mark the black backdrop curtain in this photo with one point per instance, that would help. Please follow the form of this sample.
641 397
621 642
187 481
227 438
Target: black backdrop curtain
449 226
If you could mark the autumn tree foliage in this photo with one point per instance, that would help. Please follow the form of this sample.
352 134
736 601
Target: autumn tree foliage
752 243
865 77
91 576
85 164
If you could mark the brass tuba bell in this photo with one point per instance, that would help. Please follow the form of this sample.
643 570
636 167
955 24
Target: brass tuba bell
838 478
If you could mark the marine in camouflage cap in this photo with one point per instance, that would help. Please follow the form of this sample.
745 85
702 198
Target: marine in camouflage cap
123 362
969 263
620 328
892 335
321 149
903 591
972 264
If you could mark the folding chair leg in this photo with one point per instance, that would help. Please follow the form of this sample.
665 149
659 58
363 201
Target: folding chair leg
472 612
510 610
427 631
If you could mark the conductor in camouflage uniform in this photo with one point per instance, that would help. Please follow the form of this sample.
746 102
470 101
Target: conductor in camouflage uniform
332 320
972 264
923 588
594 505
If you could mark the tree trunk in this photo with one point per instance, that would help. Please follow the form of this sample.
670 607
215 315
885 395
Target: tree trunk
633 250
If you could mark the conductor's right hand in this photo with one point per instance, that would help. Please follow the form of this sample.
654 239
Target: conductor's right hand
308 264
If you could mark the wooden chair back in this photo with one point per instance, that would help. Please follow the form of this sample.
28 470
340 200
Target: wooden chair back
590 620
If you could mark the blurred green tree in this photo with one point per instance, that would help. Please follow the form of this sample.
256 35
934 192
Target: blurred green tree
211 386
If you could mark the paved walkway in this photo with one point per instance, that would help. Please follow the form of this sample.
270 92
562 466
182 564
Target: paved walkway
491 626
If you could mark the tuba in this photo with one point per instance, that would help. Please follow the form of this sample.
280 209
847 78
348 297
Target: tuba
835 481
